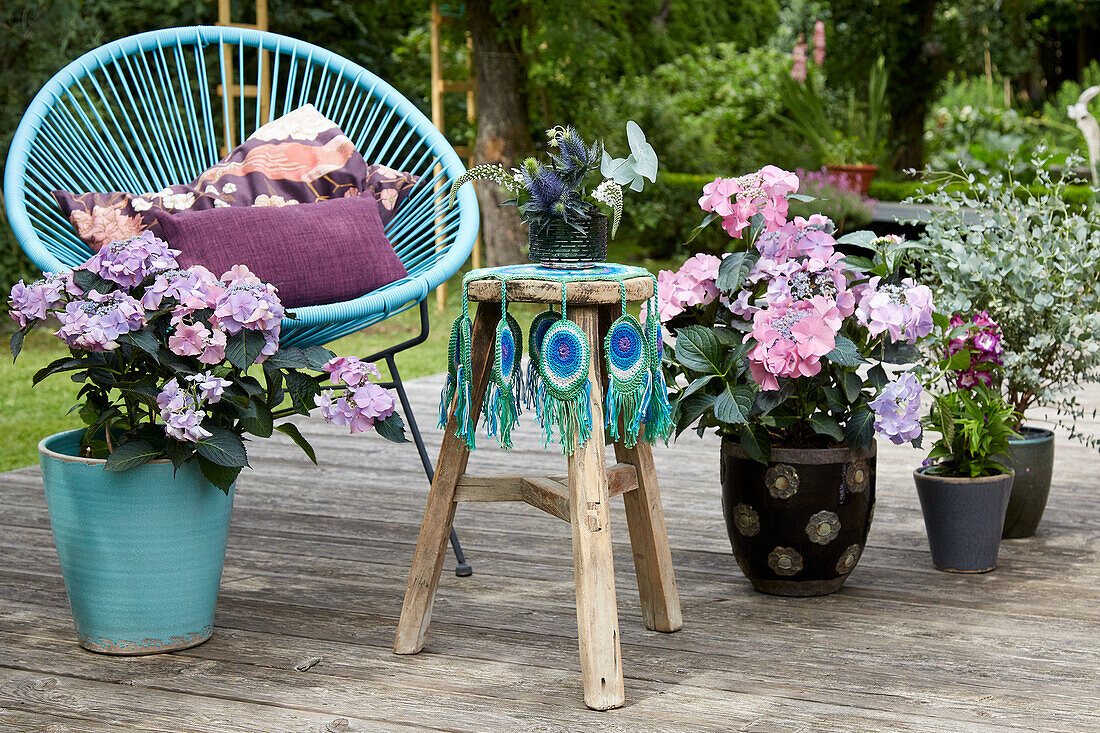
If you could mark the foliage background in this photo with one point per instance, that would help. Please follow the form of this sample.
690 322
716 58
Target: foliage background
700 76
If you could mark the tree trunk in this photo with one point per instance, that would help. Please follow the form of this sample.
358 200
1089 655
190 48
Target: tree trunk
503 132
918 73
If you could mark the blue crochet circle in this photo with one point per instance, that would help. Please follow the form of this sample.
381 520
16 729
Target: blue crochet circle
565 359
627 356
539 326
506 351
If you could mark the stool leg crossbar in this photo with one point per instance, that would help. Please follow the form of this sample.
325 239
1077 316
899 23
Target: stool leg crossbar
579 497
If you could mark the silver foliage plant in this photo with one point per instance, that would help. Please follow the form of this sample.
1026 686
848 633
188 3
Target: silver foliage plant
1032 260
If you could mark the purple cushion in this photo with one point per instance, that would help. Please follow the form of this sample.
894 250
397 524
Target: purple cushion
324 252
302 157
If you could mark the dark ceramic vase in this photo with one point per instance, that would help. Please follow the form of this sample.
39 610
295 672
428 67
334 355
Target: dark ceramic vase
964 518
1032 457
799 524
561 246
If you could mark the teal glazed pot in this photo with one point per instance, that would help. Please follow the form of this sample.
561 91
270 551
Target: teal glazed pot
963 518
1032 457
141 551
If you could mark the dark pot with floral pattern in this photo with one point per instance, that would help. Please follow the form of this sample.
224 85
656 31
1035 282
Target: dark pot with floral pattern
799 524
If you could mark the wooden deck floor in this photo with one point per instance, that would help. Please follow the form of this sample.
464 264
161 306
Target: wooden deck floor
318 560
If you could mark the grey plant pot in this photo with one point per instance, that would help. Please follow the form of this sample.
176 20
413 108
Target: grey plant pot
964 518
1032 457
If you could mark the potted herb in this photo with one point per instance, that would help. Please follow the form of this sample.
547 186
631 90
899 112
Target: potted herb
778 347
140 498
964 485
1031 261
565 226
852 148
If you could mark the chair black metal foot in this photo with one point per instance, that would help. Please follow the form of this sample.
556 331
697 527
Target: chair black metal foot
462 569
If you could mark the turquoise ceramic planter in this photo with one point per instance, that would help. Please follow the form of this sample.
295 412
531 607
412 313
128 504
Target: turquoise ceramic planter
141 551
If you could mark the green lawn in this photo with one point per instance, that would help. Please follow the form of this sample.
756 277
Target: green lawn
29 414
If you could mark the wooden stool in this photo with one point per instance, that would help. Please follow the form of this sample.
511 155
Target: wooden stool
581 498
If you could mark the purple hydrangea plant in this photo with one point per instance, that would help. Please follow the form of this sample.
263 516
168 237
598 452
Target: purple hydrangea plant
165 356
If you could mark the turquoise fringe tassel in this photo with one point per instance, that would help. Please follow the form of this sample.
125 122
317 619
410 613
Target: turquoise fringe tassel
531 387
631 407
464 422
501 414
658 413
445 397
571 418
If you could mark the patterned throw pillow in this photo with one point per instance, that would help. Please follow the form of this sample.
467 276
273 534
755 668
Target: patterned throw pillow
302 157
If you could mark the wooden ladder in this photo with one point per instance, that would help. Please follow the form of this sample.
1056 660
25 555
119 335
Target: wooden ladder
234 91
439 87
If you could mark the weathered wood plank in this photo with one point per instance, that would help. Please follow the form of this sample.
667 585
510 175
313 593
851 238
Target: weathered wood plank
318 557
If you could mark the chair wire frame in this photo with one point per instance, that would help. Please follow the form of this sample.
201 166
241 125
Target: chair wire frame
146 111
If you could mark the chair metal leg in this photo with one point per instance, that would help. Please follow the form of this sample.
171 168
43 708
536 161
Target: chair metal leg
462 568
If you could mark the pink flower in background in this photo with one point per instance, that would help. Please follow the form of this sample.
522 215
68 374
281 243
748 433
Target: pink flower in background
29 303
128 262
798 58
897 410
691 285
764 192
903 311
819 43
94 324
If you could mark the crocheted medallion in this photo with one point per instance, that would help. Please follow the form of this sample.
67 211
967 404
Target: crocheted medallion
628 368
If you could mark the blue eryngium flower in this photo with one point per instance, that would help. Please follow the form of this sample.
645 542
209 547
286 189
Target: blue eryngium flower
544 184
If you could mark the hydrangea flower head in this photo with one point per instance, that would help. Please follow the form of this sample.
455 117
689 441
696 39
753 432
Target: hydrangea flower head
254 306
193 288
130 261
693 284
181 413
29 303
209 386
737 200
195 339
897 409
350 370
358 407
94 323
903 311
791 339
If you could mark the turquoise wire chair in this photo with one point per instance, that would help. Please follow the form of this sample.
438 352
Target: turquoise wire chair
146 111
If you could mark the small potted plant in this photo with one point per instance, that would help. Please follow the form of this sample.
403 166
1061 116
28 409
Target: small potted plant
140 497
964 485
852 149
1031 261
779 347
565 226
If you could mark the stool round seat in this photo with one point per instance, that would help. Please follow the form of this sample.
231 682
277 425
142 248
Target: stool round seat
580 292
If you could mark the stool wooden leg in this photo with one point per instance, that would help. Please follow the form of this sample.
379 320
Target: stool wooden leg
431 545
645 519
593 569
